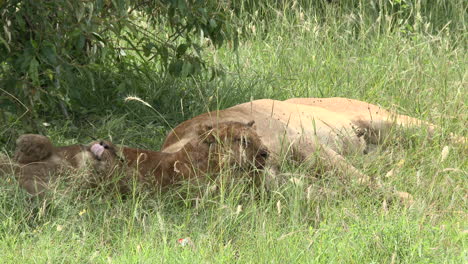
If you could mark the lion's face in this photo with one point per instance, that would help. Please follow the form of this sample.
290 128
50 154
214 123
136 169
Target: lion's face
235 144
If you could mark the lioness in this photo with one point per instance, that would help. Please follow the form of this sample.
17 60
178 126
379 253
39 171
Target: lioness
36 161
328 127
232 144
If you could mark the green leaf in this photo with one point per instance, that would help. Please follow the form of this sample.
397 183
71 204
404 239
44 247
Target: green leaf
181 5
181 49
122 87
186 69
213 23
49 52
164 55
97 36
203 15
147 49
34 71
236 41
175 68
197 67
80 42
33 43
79 12
5 43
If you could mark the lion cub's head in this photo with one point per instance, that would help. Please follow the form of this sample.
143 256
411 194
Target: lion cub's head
105 157
234 144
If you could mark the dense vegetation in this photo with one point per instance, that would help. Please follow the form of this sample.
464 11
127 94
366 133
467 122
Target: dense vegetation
67 66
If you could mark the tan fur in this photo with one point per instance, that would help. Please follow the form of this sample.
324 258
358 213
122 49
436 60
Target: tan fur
327 127
214 147
37 161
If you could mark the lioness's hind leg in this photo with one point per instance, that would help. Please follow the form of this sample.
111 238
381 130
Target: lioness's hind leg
380 126
335 160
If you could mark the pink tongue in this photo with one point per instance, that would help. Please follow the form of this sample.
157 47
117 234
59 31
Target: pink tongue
97 150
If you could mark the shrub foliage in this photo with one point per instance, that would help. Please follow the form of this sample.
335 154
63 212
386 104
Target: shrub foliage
70 57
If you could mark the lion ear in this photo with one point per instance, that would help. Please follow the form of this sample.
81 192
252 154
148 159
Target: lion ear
208 137
251 123
205 133
204 128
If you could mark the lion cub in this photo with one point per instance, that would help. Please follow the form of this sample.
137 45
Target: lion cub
36 161
228 144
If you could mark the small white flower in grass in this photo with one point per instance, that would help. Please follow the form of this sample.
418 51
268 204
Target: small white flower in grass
444 154
59 228
186 242
239 209
390 173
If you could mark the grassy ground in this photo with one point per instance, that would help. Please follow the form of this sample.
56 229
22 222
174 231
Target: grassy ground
305 220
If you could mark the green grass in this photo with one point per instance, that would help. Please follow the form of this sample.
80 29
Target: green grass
316 220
